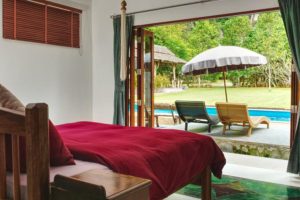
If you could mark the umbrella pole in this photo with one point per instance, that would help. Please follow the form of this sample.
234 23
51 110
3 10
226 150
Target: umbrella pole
224 77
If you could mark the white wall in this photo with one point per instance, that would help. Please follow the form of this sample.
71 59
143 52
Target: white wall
103 81
59 76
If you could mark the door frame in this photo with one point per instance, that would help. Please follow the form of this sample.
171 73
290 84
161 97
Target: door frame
295 97
135 92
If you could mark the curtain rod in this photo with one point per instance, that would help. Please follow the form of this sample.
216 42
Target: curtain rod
164 8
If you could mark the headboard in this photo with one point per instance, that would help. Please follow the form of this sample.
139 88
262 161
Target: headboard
33 124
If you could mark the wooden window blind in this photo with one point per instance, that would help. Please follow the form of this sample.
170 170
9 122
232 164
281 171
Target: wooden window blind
30 22
43 22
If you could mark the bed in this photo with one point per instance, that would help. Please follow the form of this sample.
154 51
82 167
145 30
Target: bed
169 158
34 126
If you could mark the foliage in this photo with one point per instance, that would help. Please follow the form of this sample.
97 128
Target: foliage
269 38
203 35
162 81
262 33
172 37
235 30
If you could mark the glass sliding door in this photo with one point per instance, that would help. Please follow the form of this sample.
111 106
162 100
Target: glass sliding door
140 90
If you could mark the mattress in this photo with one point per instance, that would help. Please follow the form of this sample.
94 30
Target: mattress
81 166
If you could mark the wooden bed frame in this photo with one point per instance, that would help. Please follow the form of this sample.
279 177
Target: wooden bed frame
33 124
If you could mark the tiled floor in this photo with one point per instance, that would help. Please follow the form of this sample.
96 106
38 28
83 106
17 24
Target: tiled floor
261 169
180 197
256 168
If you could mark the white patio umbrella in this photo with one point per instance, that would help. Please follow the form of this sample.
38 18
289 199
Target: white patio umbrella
222 59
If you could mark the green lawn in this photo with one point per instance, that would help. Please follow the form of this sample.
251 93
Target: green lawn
254 97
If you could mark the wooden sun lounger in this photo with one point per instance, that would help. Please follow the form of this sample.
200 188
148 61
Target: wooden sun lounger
233 113
169 107
33 124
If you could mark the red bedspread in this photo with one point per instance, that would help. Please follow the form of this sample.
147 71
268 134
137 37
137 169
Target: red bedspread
170 158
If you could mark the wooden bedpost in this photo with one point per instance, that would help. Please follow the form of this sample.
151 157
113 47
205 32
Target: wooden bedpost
37 147
206 184
12 123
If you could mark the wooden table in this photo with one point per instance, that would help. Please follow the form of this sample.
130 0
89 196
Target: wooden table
118 186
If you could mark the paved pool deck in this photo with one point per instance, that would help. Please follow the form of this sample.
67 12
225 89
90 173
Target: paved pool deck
272 143
277 134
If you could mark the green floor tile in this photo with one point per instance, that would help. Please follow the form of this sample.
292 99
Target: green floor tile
231 188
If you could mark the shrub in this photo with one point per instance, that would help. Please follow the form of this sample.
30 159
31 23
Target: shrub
162 81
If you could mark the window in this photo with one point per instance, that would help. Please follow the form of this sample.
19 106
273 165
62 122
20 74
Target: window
44 22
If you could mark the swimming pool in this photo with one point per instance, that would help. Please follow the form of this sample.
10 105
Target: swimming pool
274 115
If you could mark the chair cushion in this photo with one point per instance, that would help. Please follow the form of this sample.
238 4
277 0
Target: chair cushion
59 153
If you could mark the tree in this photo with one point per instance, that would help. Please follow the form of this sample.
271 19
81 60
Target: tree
262 33
268 37
235 30
173 37
203 35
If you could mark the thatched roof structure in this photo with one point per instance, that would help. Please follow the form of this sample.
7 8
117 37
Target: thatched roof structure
164 55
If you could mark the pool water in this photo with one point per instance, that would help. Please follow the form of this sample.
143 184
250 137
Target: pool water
274 115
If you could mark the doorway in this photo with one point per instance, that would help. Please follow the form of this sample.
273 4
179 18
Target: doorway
145 111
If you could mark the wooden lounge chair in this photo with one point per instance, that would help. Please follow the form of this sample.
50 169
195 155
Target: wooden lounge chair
233 113
172 114
195 111
163 106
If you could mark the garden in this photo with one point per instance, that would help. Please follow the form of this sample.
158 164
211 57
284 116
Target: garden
265 86
277 98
